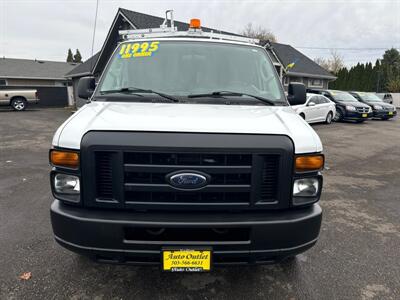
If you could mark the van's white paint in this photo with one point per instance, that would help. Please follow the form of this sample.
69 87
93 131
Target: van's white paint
166 117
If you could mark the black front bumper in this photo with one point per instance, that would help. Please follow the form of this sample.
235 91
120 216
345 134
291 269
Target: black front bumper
382 114
102 234
354 115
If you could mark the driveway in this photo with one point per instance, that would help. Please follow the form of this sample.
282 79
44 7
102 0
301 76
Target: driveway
357 256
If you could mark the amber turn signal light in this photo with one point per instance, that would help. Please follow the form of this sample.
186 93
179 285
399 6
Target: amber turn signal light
307 163
195 23
68 159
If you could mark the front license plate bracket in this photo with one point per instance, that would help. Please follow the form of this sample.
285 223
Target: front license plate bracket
186 260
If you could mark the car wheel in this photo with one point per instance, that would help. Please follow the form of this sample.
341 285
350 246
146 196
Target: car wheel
329 117
18 104
338 115
303 116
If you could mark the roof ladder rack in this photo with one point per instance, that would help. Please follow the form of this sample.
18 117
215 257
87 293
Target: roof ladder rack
172 31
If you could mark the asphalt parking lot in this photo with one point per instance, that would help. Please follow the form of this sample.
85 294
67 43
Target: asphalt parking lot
357 256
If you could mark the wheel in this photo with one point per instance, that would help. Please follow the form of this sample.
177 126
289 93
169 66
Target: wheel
338 115
329 117
303 116
18 104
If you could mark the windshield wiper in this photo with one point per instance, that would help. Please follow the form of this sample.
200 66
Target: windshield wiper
134 91
229 93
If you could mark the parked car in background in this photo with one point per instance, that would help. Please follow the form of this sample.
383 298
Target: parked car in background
317 108
18 99
385 97
347 107
380 109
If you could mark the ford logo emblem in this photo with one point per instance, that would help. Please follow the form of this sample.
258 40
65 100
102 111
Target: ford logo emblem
188 180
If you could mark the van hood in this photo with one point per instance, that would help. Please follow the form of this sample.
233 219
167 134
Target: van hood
162 117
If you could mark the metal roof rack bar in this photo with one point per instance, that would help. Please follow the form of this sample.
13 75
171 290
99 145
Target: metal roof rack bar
172 31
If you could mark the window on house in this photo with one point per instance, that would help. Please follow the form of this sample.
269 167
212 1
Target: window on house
3 82
315 82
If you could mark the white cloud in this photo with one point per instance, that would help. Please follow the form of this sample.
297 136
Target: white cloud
45 29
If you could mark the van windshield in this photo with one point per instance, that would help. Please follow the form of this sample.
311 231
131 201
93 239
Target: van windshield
184 68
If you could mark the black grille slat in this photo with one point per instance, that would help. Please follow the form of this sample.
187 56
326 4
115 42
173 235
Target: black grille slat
190 198
269 183
195 159
171 168
166 187
104 175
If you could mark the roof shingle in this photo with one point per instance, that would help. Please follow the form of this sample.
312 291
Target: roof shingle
84 68
34 69
303 65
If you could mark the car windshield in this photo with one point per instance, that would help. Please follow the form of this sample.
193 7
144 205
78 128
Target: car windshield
370 97
183 68
343 96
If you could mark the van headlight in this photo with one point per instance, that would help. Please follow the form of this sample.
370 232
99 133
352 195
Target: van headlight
66 184
306 190
350 108
66 187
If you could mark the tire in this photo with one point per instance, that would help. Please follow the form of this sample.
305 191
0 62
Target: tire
338 116
303 116
18 104
329 117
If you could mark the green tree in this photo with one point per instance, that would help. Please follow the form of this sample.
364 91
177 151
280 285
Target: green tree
70 57
393 85
77 57
391 58
383 76
390 68
377 76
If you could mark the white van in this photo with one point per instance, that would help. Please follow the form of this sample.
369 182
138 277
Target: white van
188 156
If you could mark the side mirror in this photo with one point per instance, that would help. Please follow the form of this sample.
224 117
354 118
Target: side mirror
86 86
311 103
297 93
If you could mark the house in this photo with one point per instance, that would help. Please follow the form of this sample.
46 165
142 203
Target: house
300 68
45 76
303 70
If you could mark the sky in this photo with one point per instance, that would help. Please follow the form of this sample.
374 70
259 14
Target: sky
359 31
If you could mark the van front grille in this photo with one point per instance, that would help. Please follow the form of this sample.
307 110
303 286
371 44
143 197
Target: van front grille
145 178
134 170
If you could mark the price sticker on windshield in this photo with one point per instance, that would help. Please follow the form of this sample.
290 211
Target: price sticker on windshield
142 49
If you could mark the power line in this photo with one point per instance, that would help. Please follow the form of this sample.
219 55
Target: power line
345 49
